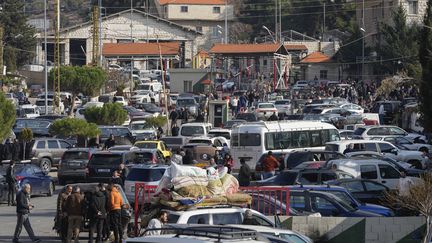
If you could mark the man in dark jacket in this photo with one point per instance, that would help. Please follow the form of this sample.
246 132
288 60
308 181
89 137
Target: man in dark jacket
23 209
97 214
74 212
110 142
16 150
116 179
174 115
244 173
175 130
61 224
11 181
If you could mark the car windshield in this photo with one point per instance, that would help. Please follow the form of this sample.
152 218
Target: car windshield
149 106
345 197
105 132
185 102
146 145
140 126
106 159
359 131
131 109
286 178
200 141
145 175
31 124
29 110
75 155
143 157
226 135
192 130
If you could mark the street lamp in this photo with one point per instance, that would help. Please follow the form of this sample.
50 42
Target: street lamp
270 33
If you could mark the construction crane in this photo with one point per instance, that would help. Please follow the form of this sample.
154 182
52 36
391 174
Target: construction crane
95 34
57 60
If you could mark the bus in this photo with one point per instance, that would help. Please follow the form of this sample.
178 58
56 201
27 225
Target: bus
250 141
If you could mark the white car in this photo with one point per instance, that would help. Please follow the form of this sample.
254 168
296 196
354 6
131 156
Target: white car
221 132
353 108
142 130
142 96
283 106
148 174
265 110
301 84
217 216
121 100
404 143
30 111
368 132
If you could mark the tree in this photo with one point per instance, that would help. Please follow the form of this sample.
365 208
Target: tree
7 117
76 80
426 64
159 121
74 127
110 114
419 200
25 136
19 37
400 46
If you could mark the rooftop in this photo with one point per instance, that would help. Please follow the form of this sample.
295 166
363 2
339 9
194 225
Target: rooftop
316 57
219 48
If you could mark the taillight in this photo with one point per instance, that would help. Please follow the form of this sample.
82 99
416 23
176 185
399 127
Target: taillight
19 178
153 159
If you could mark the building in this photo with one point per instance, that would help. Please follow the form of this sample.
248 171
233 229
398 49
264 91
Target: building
76 42
378 12
206 16
318 66
202 60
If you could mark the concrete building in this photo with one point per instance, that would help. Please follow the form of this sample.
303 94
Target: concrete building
123 27
378 12
318 66
206 16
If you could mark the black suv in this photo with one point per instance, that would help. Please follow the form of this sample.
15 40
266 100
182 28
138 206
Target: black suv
122 135
102 164
304 177
73 165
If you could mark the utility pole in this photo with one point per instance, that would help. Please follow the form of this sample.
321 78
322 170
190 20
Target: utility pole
276 20
280 21
226 21
131 40
363 40
1 50
46 57
163 83
100 33
96 36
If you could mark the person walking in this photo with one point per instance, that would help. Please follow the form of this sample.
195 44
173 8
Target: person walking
61 224
116 203
98 214
157 223
173 116
74 211
11 181
244 176
23 207
270 164
175 130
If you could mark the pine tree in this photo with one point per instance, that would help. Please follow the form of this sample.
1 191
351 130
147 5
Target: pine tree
19 37
400 46
425 55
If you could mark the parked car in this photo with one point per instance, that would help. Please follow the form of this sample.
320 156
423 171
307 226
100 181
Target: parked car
46 152
353 108
41 183
155 144
193 129
39 127
188 103
368 132
265 110
366 191
142 130
247 116
142 173
122 135
221 132
73 165
283 106
404 143
149 156
289 235
30 111
102 164
412 157
325 203
149 107
304 177
347 197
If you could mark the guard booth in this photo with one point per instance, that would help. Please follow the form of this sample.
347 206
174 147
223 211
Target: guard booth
218 112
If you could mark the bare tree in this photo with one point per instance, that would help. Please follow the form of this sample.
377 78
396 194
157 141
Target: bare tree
418 200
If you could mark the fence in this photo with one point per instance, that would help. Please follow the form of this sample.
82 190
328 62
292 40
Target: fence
266 200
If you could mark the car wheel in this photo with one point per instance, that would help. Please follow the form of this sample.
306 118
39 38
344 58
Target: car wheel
51 189
45 165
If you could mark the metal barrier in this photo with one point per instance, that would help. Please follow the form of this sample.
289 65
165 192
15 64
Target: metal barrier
266 200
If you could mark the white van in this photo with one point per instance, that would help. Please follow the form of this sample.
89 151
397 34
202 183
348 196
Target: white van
371 169
414 158
153 86
195 129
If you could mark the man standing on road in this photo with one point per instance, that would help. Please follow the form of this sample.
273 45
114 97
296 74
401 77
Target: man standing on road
234 104
173 116
97 215
11 181
74 213
270 164
116 203
61 218
23 209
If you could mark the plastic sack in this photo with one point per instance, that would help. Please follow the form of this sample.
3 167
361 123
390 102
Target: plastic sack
185 170
230 184
184 181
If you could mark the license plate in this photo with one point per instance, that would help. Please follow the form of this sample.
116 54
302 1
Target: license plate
104 170
74 164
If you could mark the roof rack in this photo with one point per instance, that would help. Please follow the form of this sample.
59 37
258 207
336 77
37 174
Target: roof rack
6 162
210 231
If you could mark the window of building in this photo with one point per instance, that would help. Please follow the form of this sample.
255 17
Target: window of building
184 9
199 28
216 10
187 86
215 31
413 7
323 74
265 62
